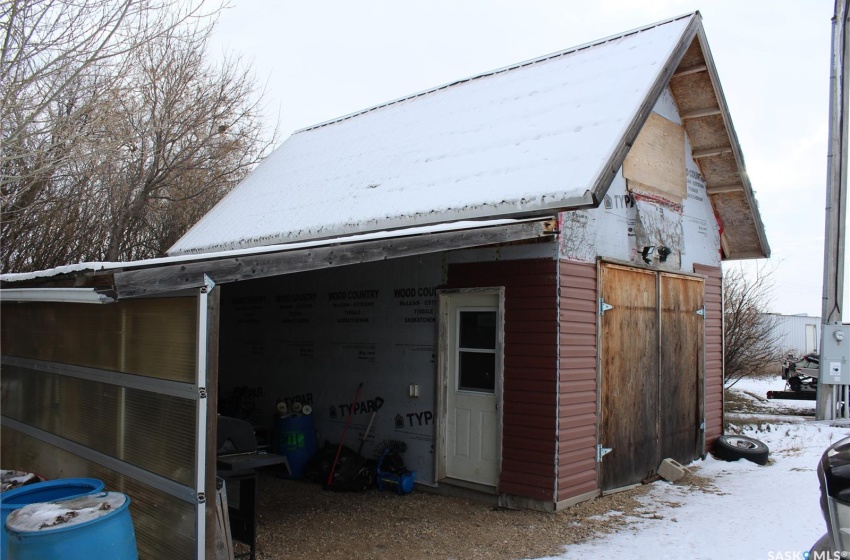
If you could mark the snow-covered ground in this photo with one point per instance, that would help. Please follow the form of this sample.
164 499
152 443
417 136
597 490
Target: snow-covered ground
752 512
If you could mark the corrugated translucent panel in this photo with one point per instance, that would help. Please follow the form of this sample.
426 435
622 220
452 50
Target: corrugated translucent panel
151 337
164 525
153 431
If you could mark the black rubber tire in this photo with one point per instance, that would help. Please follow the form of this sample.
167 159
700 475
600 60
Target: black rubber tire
795 383
732 448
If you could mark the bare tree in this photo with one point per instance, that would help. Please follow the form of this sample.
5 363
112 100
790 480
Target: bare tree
49 44
751 338
126 154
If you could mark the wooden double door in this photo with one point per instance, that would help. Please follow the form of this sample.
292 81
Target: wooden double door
652 371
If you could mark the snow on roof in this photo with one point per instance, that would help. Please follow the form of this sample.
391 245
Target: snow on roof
527 139
107 266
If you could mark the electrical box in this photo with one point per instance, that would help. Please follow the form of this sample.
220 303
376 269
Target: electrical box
835 355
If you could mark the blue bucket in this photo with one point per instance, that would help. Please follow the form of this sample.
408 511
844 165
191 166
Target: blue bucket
48 491
296 437
93 526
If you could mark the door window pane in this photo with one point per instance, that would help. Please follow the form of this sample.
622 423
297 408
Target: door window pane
477 372
478 329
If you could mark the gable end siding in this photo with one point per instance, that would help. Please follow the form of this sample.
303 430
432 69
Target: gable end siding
577 419
713 352
530 369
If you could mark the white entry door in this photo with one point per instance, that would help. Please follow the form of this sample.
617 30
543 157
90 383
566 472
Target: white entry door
473 381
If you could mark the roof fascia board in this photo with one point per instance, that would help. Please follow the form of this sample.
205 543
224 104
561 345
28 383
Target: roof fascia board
736 152
57 295
168 279
615 161
544 210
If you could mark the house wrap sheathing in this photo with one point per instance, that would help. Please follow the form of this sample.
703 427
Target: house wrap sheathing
521 267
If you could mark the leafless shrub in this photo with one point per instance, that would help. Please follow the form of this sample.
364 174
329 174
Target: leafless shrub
751 337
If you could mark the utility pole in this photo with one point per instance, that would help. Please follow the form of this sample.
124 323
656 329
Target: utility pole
833 390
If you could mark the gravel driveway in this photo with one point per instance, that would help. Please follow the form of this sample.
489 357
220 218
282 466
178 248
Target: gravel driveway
300 520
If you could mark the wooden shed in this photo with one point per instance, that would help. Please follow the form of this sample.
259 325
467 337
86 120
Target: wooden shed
521 267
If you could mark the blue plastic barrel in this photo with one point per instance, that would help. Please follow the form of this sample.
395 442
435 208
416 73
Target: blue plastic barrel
93 526
296 437
47 491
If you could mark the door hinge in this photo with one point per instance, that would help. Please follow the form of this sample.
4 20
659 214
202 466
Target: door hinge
701 312
603 307
601 452
702 426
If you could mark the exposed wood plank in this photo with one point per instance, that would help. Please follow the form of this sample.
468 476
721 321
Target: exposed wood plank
719 189
690 70
699 113
173 278
711 152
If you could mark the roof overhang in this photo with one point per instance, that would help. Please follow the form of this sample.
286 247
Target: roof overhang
60 295
159 277
715 147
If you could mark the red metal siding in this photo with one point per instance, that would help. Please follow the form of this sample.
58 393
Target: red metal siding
530 376
713 352
577 384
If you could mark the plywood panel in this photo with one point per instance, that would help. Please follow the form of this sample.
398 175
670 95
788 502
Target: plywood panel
629 361
657 159
681 367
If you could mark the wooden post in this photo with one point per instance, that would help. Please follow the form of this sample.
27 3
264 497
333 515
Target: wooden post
836 196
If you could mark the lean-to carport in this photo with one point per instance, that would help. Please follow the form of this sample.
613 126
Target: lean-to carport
118 380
